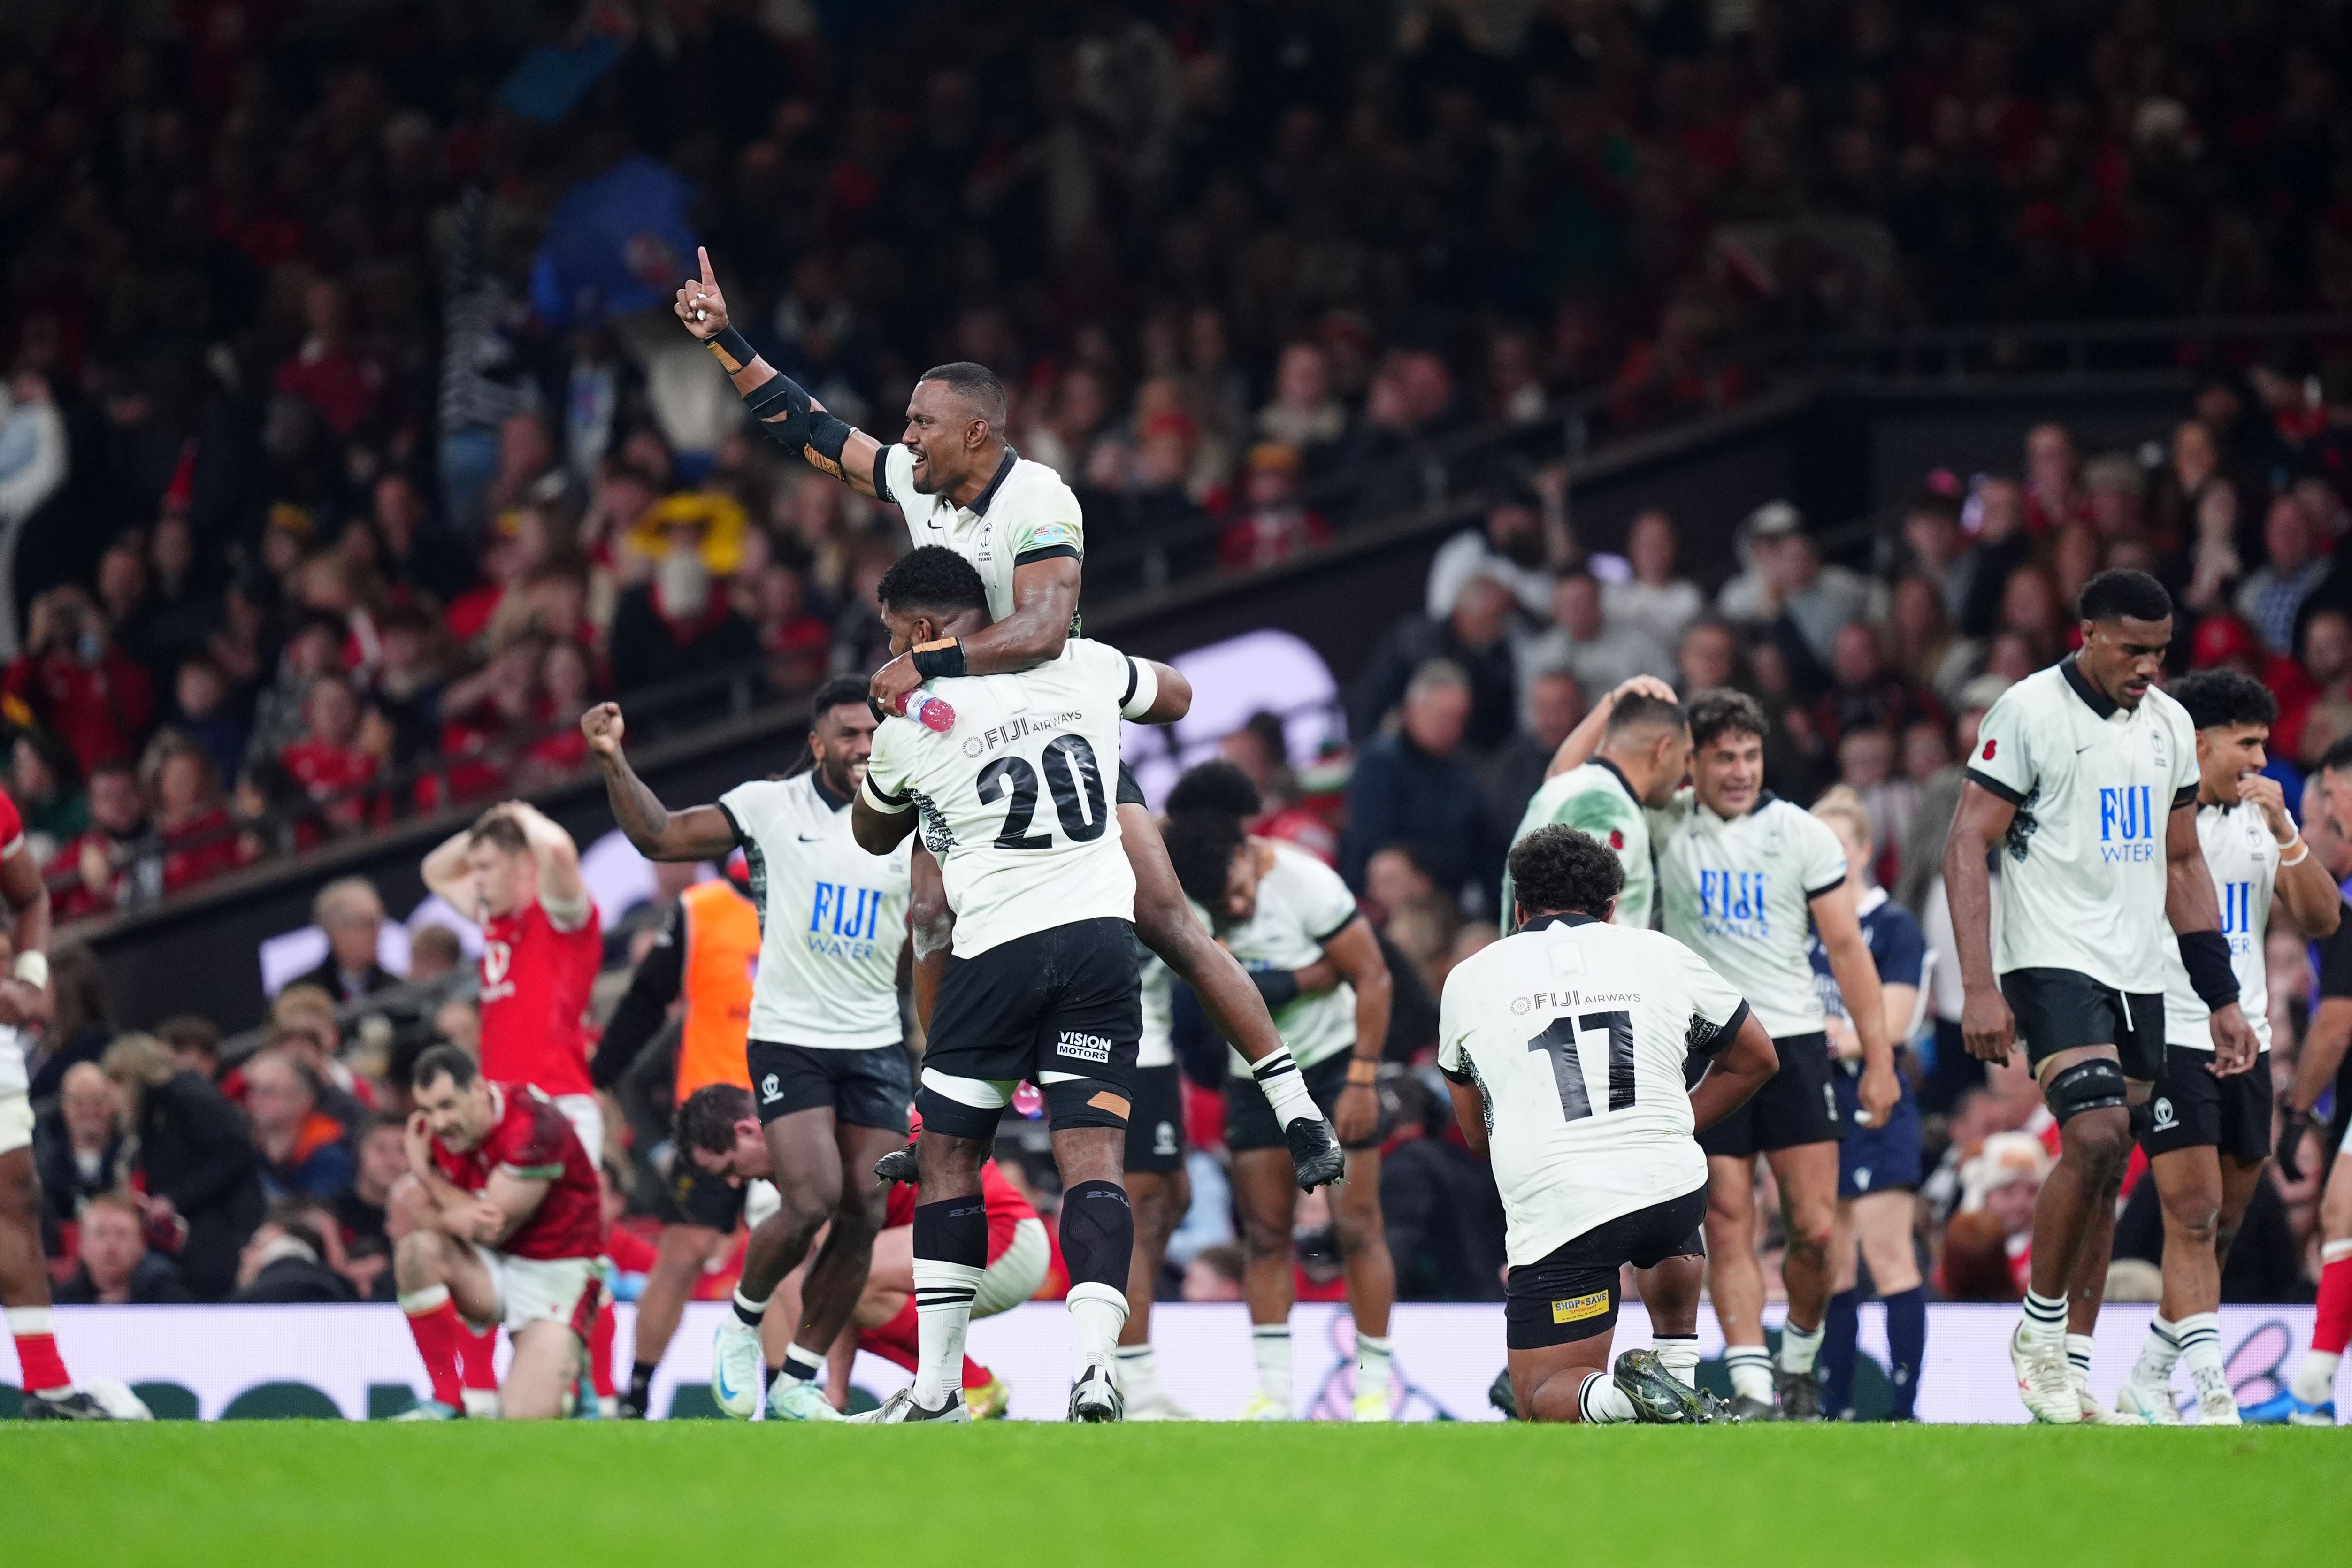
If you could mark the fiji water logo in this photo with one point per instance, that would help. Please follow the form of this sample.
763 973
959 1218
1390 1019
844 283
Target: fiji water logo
2128 823
844 921
1731 904
2237 916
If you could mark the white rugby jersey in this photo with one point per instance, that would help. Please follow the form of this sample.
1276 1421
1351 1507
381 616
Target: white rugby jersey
2082 865
13 1080
1017 798
1025 514
2244 861
1575 1033
1596 799
833 918
1159 1044
1740 891
1301 904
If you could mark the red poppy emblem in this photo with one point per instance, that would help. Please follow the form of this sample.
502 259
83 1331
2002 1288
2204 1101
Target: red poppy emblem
1616 838
1987 750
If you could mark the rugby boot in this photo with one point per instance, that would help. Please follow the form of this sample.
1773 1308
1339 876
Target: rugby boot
1746 1408
1658 1396
2216 1405
991 1401
1316 1159
2094 1414
1095 1396
424 1410
898 1166
1502 1396
1371 1405
799 1401
2042 1383
736 1374
2284 1409
1261 1408
900 1410
2148 1402
1800 1395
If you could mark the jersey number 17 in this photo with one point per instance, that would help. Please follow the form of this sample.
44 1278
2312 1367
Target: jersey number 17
1559 1043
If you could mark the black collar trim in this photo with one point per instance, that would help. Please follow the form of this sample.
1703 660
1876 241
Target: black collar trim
1763 797
816 781
1540 921
1619 774
979 507
2093 698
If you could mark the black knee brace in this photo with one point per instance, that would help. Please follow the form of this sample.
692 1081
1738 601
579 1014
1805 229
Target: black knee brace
1098 1234
2095 1086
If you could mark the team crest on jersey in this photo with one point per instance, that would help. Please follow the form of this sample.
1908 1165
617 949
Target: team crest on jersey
496 956
1576 1308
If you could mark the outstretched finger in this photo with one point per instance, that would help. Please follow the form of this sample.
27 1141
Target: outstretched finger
703 252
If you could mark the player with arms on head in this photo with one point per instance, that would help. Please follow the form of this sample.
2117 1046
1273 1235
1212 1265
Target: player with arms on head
1279 910
1746 880
962 486
1564 1045
2207 1134
2084 781
1015 803
2324 1067
508 1224
49 1393
1878 1162
826 1058
1639 746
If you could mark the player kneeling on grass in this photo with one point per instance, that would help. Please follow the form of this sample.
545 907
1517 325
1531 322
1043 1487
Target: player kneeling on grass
1564 1046
508 1226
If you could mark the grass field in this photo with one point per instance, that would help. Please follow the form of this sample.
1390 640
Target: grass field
692 1493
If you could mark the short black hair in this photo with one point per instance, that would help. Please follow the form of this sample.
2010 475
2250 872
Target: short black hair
2338 757
1639 707
841 691
445 1061
1558 869
1724 711
2223 699
1205 829
2122 591
707 1119
931 578
983 387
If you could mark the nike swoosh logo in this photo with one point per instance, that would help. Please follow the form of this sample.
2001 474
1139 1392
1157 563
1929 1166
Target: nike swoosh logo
724 1392
807 840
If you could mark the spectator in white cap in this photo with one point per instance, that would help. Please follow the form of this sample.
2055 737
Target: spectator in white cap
1788 588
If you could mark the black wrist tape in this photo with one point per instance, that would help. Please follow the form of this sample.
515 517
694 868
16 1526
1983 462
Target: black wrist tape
1279 988
731 345
933 660
2206 955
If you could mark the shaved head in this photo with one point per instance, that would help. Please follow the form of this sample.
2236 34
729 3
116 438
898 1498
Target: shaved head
975 384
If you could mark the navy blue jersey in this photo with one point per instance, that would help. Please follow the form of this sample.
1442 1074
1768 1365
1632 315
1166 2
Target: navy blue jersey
1897 947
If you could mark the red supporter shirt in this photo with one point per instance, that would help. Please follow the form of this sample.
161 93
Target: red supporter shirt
535 982
12 827
1006 1207
532 1141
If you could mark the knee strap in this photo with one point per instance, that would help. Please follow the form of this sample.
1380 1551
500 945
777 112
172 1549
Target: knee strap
2096 1085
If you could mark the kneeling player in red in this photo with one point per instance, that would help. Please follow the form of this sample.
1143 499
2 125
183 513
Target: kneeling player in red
509 1225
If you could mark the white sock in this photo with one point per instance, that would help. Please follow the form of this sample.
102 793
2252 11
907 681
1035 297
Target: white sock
1371 1363
1139 1375
1601 1402
1798 1347
1751 1371
1678 1353
2078 1356
2159 1354
807 1366
943 1293
1285 1088
2201 1343
2314 1380
2044 1329
1270 1343
1098 1311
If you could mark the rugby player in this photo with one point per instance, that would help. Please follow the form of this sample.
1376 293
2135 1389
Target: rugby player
1746 880
962 486
2070 766
507 1220
1639 747
49 1392
1878 1165
827 1054
517 874
1279 910
1157 1186
2209 1135
2308 1398
1564 1046
1041 986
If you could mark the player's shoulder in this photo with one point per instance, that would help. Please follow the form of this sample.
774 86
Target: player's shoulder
2036 696
1041 500
764 798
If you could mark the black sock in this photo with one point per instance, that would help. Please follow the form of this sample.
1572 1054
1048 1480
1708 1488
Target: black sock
641 1383
1097 1233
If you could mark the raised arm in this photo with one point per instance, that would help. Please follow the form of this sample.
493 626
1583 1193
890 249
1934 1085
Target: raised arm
1585 738
2313 905
696 834
563 891
1987 1026
2195 914
791 418
446 876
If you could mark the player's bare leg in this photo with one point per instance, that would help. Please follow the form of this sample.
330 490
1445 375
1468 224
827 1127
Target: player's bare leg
951 1254
1736 1283
1572 1382
444 1289
931 928
1671 1293
2203 1197
1806 1174
1161 1201
1371 1277
679 1254
1098 1247
1164 922
539 1374
1265 1203
49 1393
2073 1231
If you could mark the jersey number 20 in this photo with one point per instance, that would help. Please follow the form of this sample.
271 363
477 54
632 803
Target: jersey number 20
1558 1042
1076 784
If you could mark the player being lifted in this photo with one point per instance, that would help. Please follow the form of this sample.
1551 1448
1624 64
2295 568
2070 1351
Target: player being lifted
2209 1133
1746 879
1041 986
1280 910
1564 1045
2083 782
960 486
826 1055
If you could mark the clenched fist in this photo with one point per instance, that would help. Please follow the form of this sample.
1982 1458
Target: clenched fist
603 728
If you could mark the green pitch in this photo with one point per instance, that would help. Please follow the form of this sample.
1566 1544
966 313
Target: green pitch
697 1493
